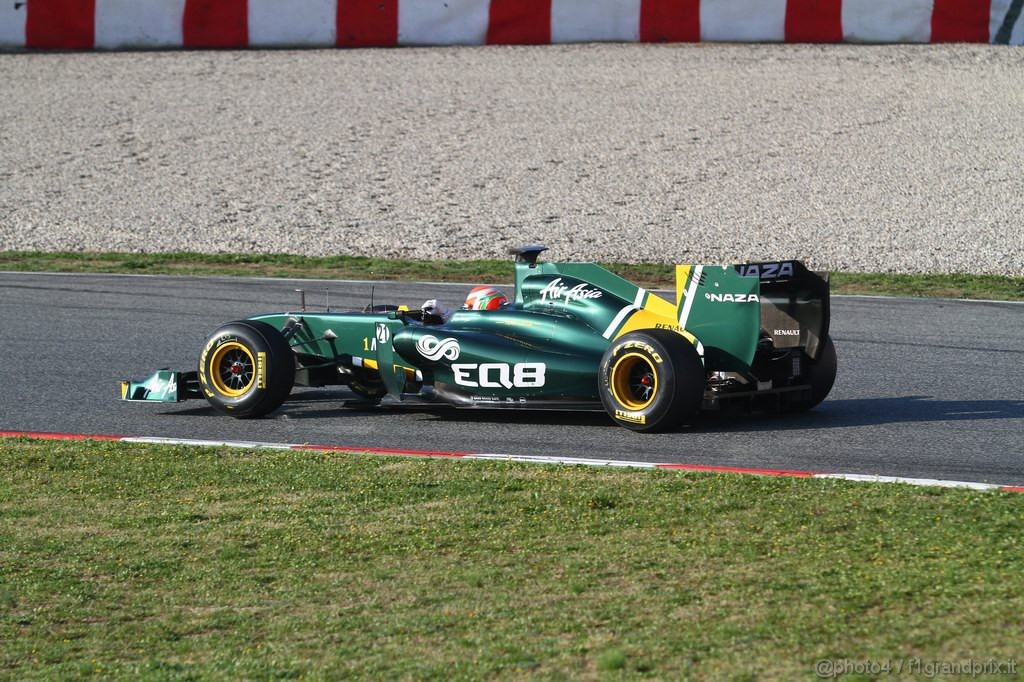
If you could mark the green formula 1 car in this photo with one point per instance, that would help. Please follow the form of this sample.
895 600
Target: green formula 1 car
574 336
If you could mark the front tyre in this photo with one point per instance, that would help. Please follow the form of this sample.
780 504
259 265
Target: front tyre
246 369
651 380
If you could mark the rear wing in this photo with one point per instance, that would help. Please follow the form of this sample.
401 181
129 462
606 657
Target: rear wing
795 308
727 306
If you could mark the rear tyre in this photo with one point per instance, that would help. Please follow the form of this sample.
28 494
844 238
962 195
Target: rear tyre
651 380
821 375
246 369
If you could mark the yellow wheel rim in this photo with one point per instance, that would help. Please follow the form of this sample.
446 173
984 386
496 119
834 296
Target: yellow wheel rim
634 381
232 369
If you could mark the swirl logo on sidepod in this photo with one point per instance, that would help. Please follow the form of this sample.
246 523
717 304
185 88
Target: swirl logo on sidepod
432 349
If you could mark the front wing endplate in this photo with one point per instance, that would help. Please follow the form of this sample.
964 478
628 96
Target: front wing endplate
164 386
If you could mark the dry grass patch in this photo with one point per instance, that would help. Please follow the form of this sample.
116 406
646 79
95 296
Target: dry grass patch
649 275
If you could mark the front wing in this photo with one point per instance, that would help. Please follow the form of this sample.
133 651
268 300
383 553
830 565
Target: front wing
164 386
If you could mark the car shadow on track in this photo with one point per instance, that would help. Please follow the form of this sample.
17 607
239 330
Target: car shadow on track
526 417
833 414
829 415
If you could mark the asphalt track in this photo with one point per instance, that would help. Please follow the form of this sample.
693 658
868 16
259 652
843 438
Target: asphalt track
926 388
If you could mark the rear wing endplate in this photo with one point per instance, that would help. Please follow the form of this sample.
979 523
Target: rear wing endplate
795 308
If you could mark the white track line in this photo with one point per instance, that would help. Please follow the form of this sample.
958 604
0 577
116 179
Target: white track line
531 459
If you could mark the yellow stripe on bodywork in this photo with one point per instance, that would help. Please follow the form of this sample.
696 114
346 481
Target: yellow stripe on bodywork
659 306
372 364
645 319
686 289
682 274
657 313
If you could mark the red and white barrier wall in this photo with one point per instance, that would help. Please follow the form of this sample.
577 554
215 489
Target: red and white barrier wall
164 24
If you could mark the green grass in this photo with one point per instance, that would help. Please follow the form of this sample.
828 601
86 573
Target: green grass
483 271
189 563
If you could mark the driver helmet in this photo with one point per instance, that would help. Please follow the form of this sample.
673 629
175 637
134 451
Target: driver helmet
485 298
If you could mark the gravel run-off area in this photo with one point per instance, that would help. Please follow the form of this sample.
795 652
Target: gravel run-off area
852 157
